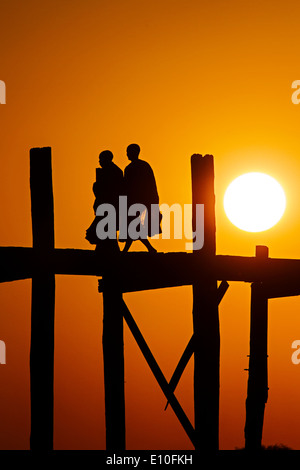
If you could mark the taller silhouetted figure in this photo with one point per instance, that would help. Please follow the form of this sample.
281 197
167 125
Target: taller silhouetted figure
140 188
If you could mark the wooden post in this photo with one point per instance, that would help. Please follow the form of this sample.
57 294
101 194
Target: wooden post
205 314
257 394
113 359
43 299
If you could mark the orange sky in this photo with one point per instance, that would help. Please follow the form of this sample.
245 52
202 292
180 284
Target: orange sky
177 77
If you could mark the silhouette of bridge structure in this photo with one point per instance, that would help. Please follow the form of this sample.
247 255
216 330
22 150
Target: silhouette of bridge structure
131 272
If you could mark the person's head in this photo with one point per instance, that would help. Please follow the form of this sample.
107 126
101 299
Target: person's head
133 151
105 158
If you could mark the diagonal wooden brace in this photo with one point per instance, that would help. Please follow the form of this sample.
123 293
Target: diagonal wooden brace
163 383
189 350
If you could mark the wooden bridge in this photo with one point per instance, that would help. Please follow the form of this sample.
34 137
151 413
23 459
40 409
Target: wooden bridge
269 278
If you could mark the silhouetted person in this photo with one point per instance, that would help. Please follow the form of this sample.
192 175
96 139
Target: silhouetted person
109 182
140 187
107 189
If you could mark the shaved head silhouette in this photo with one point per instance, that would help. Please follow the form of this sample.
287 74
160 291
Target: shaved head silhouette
133 151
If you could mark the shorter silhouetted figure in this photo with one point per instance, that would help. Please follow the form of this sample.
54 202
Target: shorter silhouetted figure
109 182
107 189
140 188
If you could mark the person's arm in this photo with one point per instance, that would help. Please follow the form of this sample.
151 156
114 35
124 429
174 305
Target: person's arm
95 190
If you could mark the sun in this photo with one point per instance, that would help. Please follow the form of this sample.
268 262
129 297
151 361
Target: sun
254 202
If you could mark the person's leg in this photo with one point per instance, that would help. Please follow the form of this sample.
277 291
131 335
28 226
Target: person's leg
148 245
127 245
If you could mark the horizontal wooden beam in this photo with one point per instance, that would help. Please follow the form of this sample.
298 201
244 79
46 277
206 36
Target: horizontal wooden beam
144 271
141 270
276 290
15 263
21 263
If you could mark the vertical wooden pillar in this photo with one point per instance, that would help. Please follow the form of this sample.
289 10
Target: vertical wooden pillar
113 358
257 394
205 313
43 299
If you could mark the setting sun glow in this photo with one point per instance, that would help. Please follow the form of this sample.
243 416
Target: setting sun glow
254 202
